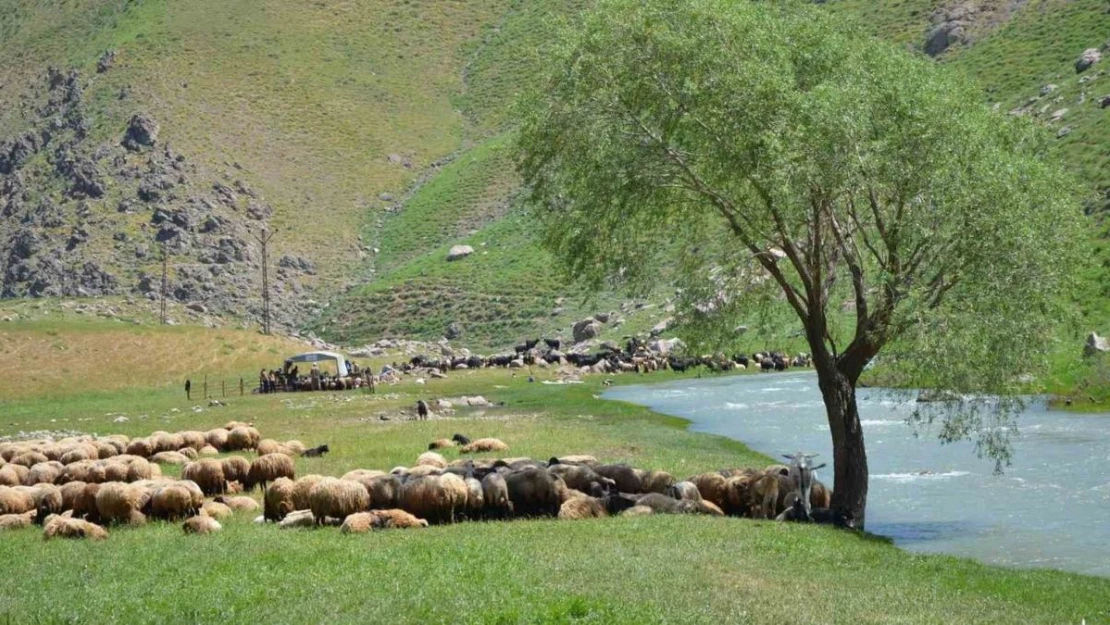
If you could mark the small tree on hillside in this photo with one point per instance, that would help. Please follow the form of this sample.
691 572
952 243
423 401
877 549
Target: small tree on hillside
772 145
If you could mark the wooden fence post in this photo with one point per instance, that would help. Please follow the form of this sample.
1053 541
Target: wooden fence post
206 386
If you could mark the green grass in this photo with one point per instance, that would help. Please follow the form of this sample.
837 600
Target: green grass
620 570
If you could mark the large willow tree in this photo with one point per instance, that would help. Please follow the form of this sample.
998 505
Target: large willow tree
771 145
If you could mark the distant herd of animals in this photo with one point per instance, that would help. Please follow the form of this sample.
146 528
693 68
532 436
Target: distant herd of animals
78 487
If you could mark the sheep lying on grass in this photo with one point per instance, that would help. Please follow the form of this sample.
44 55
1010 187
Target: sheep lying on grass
484 445
17 521
201 525
58 526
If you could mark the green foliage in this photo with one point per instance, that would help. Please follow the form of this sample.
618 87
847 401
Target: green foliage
789 151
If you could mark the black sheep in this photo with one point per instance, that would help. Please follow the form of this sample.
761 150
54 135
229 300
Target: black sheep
316 452
461 439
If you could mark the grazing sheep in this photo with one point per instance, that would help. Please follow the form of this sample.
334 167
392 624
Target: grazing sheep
583 507
169 457
172 502
270 446
140 447
441 443
684 490
9 475
236 469
625 477
277 502
216 510
208 451
76 455
242 438
434 497
267 469
231 425
385 490
395 518
712 486
217 439
164 441
316 452
189 453
431 459
201 525
208 474
105 449
31 458
297 447
360 523
14 500
301 489
43 473
533 492
238 504
17 521
119 503
475 499
80 498
193 440
423 470
656 481
66 527
483 445
336 498
579 477
496 496
300 518
48 500
140 469
780 469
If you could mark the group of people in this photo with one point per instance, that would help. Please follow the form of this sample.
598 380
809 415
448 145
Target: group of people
291 379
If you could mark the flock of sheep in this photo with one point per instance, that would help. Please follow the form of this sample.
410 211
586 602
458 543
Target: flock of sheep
73 487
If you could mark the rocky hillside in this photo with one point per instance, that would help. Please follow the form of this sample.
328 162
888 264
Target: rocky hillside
372 136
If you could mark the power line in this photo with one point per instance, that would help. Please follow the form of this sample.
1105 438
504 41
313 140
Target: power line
264 240
165 280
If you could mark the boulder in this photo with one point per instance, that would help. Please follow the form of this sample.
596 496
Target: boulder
661 327
142 132
603 317
459 252
586 329
453 331
1096 345
1089 57
197 307
477 400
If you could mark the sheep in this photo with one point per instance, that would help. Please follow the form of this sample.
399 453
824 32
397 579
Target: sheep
29 459
296 447
242 438
208 451
316 452
483 445
461 439
577 459
236 469
625 477
332 497
277 501
687 506
201 525
17 521
192 440
217 439
780 469
712 486
10 474
764 495
119 503
140 469
140 447
172 502
267 469
579 477
820 496
385 490
43 473
113 471
441 443
434 497
398 519
76 455
164 441
301 489
270 446
208 474
533 492
656 481
14 500
105 449
238 504
495 494
431 459
360 523
684 490
66 527
216 510
169 457
80 498
48 500
582 508
300 518
638 511
475 499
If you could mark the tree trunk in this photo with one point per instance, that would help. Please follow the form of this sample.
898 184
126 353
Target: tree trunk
849 455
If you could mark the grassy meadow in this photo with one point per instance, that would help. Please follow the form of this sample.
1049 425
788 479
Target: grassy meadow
618 570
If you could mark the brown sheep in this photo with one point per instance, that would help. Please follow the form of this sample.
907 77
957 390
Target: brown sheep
385 490
236 469
241 438
475 499
638 511
140 447
43 473
169 457
336 498
208 451
270 446
239 504
579 477
820 496
164 441
217 439
578 459
11 476
118 502
483 445
81 499
29 459
764 495
216 510
434 497
300 518
201 525
76 455
626 478
15 500
140 469
360 523
65 527
105 449
172 502
395 518
208 474
441 443
534 492
231 425
738 495
193 440
17 521
495 493
301 489
713 487
431 459
583 507
656 482
278 500
684 490
48 500
296 447
267 469
189 453
114 471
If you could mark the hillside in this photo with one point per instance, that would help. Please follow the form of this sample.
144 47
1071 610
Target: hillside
373 135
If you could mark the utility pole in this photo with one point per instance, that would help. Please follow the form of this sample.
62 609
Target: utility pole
264 240
165 280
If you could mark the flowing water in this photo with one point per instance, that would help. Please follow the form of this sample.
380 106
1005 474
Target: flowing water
1051 508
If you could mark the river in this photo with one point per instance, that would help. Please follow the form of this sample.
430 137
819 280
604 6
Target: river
1051 508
